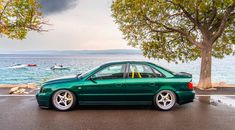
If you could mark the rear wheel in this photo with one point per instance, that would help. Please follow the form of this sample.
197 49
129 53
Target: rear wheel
165 100
63 100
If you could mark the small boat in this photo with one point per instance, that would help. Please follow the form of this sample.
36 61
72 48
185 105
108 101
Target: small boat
32 65
59 67
18 66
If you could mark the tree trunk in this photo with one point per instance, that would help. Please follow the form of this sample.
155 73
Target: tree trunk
205 74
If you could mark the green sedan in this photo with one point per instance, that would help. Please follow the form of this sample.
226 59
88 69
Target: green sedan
119 83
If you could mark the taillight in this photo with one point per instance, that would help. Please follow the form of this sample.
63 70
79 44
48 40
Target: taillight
190 85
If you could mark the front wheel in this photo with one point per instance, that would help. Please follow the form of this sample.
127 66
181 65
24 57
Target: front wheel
165 100
63 100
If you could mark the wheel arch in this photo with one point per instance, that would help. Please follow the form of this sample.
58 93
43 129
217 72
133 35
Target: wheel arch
167 88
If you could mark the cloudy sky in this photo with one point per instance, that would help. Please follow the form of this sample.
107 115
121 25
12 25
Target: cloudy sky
76 25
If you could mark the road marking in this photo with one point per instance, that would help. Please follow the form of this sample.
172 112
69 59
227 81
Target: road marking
31 95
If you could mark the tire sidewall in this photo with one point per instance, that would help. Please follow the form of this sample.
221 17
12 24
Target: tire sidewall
156 105
73 103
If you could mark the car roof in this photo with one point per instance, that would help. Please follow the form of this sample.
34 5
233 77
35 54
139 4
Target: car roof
125 62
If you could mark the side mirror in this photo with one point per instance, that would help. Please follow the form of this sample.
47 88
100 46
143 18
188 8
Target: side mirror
92 79
159 75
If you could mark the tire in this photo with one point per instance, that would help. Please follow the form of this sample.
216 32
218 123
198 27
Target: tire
64 100
165 100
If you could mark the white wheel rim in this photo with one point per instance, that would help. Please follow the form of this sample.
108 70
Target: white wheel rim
63 99
165 99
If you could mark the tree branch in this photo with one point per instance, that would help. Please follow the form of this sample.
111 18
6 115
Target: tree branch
171 30
223 23
197 11
232 14
4 8
176 14
155 22
188 15
187 36
214 13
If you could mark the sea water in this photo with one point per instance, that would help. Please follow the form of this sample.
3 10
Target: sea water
223 70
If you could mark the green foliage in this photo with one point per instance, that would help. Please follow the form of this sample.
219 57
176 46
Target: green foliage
17 17
177 30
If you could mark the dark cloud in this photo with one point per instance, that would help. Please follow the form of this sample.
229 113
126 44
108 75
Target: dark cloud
56 6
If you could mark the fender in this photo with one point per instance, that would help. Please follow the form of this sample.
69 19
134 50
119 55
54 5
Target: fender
168 88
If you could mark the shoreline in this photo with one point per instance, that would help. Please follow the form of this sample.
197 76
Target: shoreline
28 85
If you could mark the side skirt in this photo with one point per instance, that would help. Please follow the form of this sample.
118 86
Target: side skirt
115 103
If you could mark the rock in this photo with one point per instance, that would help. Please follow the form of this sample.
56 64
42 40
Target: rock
20 91
13 90
17 90
26 92
32 85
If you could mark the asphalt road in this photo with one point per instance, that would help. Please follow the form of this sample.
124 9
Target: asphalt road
22 113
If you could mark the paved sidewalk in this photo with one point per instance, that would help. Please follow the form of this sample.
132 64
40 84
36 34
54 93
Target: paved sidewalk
218 91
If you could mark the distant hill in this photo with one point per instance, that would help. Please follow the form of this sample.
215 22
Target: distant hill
79 52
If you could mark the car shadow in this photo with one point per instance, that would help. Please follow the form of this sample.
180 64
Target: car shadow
125 107
112 107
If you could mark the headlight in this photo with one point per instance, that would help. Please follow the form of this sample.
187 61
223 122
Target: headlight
41 90
45 89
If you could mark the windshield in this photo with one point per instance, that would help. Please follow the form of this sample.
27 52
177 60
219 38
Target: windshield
87 72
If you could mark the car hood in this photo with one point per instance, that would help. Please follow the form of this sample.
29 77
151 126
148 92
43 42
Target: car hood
62 80
183 75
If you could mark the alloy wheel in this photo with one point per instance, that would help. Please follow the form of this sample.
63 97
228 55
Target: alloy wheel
63 100
165 99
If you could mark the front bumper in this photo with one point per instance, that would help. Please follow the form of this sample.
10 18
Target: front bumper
185 96
43 99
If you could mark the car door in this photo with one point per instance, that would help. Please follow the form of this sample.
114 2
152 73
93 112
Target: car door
104 85
141 82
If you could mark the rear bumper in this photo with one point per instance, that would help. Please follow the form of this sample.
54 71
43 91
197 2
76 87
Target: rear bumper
185 96
43 100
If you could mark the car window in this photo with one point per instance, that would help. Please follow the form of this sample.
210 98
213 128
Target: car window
110 72
142 71
157 73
